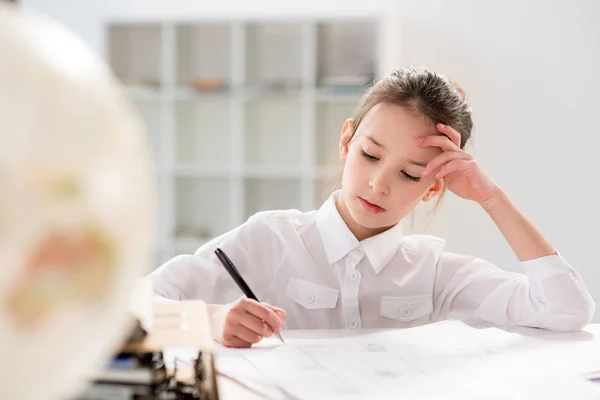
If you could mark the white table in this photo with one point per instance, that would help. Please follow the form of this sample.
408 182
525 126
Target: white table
577 351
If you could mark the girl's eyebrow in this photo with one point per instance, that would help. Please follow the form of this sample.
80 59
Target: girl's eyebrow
376 143
419 163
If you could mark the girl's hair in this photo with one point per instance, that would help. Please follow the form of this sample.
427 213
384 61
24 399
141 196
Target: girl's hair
424 91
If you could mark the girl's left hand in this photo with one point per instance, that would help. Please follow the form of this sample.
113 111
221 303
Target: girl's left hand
461 173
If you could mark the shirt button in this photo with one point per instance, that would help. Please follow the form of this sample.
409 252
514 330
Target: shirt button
353 276
310 298
406 312
353 324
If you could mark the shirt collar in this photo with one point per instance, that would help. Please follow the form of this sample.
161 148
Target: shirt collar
339 241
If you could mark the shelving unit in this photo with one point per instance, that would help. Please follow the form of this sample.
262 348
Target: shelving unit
243 116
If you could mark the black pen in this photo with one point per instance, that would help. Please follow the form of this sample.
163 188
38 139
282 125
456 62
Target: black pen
234 273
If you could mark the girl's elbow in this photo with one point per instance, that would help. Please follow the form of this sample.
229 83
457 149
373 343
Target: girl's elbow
575 320
584 316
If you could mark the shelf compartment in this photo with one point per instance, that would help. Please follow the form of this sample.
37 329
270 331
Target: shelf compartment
272 173
274 56
203 56
202 209
135 54
330 118
324 188
203 132
273 131
192 170
150 116
271 194
346 54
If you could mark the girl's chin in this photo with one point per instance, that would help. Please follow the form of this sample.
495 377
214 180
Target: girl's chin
371 221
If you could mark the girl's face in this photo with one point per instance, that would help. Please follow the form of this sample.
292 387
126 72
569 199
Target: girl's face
381 182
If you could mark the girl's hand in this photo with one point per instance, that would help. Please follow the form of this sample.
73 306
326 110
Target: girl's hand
461 173
246 322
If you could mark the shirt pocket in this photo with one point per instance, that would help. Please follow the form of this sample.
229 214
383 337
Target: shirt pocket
310 295
407 308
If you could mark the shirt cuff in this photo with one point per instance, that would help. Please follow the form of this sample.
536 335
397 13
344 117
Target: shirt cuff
543 267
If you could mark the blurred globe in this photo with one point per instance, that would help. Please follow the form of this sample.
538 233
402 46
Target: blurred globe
77 208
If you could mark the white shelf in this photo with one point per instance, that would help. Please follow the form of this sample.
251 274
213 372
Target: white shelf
264 93
135 53
203 55
201 171
274 172
323 189
183 93
144 93
189 244
347 53
243 115
273 131
201 207
203 131
272 194
338 97
274 56
149 112
330 119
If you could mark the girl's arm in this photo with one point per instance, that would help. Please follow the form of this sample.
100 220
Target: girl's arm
552 295
202 276
236 320
463 176
524 238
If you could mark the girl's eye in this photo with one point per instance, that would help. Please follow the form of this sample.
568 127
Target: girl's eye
404 174
368 156
410 177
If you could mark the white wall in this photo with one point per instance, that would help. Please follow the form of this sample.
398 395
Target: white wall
529 67
87 17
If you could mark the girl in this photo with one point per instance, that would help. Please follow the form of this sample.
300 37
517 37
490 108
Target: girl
348 265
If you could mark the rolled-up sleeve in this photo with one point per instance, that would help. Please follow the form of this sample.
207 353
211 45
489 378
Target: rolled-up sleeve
550 295
202 276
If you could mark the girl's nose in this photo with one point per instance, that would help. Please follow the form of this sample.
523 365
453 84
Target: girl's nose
380 184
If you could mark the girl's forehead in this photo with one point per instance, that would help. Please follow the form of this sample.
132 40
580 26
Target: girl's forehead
396 121
394 128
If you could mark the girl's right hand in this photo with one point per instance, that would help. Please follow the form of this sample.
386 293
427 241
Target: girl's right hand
246 322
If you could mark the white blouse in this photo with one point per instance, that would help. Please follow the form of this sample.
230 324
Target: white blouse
312 266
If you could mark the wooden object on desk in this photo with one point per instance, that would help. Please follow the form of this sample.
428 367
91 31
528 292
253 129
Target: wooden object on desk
183 324
177 324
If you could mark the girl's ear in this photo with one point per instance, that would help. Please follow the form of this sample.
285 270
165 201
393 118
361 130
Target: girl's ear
345 137
435 189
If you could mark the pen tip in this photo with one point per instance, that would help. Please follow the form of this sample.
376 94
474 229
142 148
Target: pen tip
280 337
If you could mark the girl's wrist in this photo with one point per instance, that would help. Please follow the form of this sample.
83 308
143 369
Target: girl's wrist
497 200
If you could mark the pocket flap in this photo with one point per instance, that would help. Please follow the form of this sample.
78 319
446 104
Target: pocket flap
310 295
406 309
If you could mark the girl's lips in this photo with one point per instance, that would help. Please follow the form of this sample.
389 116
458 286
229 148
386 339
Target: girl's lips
370 207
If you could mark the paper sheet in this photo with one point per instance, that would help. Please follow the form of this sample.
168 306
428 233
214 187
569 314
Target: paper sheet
443 360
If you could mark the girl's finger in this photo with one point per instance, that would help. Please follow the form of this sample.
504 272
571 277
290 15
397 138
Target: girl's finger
262 312
279 311
246 334
449 131
255 324
441 141
442 159
453 166
234 341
